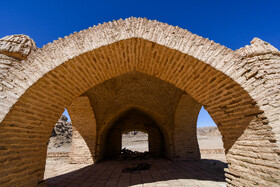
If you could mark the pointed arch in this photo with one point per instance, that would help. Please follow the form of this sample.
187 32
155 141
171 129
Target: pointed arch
35 91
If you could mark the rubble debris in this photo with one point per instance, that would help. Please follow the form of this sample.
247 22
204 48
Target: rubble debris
137 169
128 154
62 133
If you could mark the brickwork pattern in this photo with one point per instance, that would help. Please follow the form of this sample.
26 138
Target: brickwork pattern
185 136
134 90
80 152
139 91
156 97
84 123
239 89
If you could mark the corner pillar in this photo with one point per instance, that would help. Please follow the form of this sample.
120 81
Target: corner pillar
84 131
185 138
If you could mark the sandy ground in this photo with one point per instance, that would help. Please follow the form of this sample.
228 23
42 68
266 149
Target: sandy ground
211 148
64 148
138 142
210 142
60 165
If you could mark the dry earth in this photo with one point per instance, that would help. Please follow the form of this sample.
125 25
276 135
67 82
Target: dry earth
137 142
210 143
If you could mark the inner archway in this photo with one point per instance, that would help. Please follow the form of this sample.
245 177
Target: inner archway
209 138
134 120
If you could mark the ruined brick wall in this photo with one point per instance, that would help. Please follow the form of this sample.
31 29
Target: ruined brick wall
35 91
257 148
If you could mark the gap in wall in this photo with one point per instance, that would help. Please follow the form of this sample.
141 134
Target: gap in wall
135 141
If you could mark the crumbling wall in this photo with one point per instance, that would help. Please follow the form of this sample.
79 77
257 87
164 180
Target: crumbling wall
61 134
258 147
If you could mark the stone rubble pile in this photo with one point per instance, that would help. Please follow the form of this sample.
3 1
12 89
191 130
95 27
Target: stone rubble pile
62 132
128 154
137 169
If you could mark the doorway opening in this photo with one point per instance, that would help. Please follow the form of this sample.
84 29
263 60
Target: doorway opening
209 138
136 131
137 141
59 160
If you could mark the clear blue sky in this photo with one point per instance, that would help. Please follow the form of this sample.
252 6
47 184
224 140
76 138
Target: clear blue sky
230 23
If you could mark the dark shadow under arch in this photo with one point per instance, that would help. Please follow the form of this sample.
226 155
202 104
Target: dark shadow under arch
134 120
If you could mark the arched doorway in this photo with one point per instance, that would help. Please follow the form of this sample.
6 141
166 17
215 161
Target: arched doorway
35 92
136 141
137 121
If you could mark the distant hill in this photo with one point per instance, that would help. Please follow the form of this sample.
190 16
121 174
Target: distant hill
208 131
61 136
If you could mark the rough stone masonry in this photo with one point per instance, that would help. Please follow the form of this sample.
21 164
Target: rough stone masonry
110 74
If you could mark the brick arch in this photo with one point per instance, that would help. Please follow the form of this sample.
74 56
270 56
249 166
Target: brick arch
54 54
154 115
83 120
117 114
122 111
124 122
134 89
35 92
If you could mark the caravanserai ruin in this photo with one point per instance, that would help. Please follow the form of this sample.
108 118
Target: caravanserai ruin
138 74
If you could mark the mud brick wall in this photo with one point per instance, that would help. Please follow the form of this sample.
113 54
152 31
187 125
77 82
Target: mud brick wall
84 134
239 89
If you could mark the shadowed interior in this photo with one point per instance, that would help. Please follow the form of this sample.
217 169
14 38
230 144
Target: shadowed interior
134 120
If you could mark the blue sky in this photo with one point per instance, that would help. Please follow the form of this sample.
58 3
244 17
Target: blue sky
204 119
230 23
